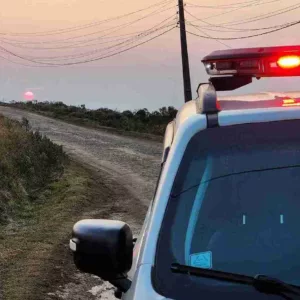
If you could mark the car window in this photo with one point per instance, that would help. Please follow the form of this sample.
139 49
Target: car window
235 203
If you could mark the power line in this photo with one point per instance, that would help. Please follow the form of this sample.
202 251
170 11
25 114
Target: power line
139 36
75 45
80 27
242 22
122 26
264 16
231 29
19 63
245 37
122 51
222 43
233 10
71 44
13 41
79 44
227 6
89 60
114 47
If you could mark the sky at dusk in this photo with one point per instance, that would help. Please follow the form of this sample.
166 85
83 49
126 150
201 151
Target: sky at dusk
147 76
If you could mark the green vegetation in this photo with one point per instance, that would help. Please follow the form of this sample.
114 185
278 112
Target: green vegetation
42 194
135 121
34 254
28 162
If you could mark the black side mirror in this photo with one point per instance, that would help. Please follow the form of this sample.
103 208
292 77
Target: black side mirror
103 248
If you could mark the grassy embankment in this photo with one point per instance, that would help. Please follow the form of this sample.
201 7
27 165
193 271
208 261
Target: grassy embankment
42 194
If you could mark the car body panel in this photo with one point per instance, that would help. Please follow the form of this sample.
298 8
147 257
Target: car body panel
141 287
139 243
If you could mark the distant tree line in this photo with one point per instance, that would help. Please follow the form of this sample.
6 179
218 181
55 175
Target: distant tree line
140 120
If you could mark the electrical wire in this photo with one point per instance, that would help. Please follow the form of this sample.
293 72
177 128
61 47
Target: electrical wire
124 25
66 42
117 28
89 53
119 52
80 27
230 29
75 45
232 5
252 19
264 16
19 63
233 29
248 36
133 39
83 45
232 10
220 42
88 60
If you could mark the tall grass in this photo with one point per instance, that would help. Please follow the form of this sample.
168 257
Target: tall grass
28 162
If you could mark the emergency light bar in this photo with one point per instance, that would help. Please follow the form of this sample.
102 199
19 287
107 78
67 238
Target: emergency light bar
254 62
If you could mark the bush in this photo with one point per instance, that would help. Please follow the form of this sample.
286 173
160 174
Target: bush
139 120
28 162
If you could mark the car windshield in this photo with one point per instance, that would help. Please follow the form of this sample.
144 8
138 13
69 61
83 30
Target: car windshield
234 207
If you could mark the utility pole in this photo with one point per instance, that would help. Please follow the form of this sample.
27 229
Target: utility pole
184 54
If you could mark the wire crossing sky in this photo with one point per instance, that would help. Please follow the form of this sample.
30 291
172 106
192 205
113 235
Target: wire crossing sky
15 44
78 50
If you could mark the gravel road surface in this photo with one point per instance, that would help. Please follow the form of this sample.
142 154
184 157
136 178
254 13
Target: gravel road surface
129 163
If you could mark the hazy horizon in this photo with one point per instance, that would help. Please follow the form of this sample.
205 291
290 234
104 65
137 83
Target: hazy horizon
148 76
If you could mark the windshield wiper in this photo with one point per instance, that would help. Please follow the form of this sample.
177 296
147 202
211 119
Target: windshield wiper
262 283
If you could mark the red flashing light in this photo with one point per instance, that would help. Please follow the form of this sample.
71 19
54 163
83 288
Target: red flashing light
289 62
290 102
260 62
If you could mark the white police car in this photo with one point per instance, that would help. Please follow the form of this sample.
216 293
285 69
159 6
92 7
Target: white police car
225 219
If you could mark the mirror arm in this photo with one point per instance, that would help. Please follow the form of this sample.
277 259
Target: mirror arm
122 284
134 240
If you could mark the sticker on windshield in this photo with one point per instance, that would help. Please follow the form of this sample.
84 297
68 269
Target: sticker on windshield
201 260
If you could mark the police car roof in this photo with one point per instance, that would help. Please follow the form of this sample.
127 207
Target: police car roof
259 100
237 102
260 96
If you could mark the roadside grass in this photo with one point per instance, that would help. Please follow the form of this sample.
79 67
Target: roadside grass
42 194
29 161
29 265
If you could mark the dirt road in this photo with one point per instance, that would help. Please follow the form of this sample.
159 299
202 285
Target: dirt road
130 167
